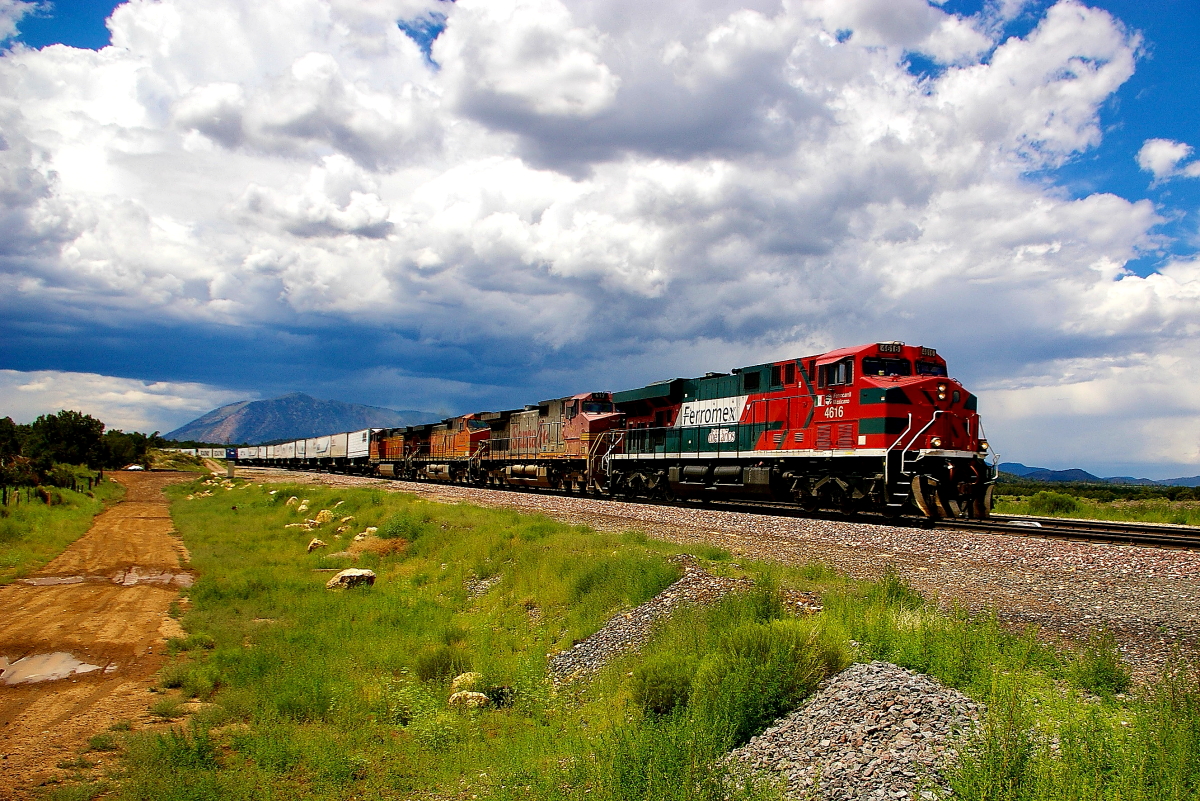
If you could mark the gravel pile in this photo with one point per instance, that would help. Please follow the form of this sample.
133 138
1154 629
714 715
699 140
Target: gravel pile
1148 597
873 732
632 629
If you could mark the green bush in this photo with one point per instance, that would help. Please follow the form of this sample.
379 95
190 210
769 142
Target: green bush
1052 503
191 642
663 683
892 590
102 742
401 702
405 526
178 748
1100 669
760 671
442 662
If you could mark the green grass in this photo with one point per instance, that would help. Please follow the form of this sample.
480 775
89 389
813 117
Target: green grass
32 532
343 694
1050 503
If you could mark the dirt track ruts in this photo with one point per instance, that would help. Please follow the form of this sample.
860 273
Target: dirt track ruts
104 613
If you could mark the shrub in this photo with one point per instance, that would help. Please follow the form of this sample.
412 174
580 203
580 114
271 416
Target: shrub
167 708
173 676
182 749
1100 669
759 671
405 525
663 683
401 702
1052 503
102 742
191 642
442 662
436 731
892 590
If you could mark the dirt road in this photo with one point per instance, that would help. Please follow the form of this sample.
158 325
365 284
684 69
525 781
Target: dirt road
81 639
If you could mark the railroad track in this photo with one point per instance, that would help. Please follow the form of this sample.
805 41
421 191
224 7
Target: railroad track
1156 535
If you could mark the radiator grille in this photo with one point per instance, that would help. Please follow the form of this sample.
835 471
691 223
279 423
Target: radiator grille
845 435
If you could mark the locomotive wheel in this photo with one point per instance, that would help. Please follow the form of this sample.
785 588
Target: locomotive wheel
981 504
923 495
805 497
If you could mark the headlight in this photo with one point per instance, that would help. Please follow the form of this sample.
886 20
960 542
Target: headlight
941 390
935 442
983 446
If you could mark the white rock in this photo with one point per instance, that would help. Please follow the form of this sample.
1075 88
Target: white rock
351 577
465 682
469 700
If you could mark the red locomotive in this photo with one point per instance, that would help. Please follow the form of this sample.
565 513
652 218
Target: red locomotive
876 427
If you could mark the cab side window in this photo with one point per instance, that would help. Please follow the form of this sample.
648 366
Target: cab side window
837 374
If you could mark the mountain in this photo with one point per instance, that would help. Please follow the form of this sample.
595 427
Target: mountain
1018 469
1082 476
292 417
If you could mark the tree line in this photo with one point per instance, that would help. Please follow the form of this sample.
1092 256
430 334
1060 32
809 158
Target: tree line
46 450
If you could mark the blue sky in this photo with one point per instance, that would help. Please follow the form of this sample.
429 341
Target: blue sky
406 204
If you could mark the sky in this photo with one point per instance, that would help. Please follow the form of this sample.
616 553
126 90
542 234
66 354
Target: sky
470 205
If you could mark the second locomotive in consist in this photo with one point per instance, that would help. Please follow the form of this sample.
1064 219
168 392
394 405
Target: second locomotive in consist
879 427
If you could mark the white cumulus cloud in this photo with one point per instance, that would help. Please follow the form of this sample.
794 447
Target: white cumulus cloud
124 403
571 193
1161 158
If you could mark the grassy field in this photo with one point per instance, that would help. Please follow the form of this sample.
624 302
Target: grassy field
318 694
32 532
1052 503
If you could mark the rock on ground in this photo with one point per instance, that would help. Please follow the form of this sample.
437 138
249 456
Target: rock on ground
872 732
469 700
351 577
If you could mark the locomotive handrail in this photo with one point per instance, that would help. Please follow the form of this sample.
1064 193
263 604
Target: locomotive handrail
904 453
887 455
615 437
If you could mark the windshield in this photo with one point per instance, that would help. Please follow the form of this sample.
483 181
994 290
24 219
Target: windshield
595 407
874 366
930 368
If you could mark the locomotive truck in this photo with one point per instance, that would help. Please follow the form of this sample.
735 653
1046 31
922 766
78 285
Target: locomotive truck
877 428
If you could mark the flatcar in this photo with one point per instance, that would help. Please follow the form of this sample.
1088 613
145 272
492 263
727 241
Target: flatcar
877 428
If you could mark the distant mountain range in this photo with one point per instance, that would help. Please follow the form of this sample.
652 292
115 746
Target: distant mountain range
292 417
1082 476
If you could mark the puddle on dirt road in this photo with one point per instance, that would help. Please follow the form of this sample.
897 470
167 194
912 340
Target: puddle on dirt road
49 581
135 575
126 578
45 667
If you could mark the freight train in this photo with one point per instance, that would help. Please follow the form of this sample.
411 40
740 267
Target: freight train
874 428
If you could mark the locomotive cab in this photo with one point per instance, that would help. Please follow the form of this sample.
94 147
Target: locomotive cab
928 425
